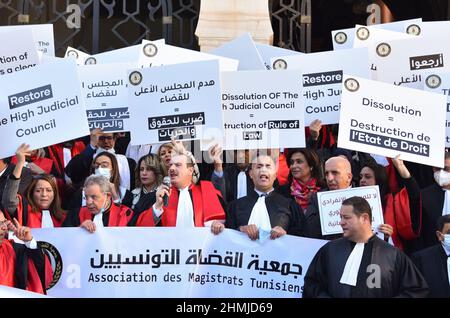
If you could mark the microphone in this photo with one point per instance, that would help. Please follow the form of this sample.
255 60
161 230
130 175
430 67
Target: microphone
166 182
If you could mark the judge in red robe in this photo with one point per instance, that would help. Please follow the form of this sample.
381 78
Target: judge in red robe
189 204
100 210
21 265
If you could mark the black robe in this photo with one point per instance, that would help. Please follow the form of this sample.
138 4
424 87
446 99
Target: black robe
227 184
432 263
432 205
282 211
399 276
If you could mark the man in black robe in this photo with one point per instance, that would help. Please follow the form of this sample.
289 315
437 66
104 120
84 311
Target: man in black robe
360 265
434 262
283 216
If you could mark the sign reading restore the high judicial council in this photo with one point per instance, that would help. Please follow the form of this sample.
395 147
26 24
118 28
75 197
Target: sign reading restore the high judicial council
164 262
262 109
41 106
322 79
388 120
330 203
180 101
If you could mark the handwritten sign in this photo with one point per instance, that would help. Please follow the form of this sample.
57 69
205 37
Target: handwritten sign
262 109
330 203
41 106
388 120
179 101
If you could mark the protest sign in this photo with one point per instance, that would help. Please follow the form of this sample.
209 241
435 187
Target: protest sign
17 52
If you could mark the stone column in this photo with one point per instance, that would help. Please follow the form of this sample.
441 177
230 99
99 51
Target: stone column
223 20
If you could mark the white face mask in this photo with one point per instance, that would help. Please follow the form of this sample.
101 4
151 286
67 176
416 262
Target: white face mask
106 172
442 177
446 242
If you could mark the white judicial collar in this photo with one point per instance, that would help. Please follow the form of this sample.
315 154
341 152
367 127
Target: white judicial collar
350 274
185 210
98 219
241 185
260 216
46 221
446 207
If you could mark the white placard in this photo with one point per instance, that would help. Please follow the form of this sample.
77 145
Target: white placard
42 35
105 93
388 120
262 109
435 29
41 106
179 101
244 50
330 203
78 55
440 83
17 52
153 54
129 54
343 38
267 52
402 62
164 262
322 79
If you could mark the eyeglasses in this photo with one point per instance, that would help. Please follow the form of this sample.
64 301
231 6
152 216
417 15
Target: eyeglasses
103 138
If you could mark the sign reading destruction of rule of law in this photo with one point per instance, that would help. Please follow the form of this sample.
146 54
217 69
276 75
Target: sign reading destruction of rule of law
440 83
262 109
330 203
41 106
180 101
105 93
322 79
388 120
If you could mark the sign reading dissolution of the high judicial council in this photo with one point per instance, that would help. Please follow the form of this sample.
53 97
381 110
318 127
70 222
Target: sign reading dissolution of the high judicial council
388 120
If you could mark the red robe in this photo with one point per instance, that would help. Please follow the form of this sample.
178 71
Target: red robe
56 154
33 218
119 215
8 270
45 164
205 202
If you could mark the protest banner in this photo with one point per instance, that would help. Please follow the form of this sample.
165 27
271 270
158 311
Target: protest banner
18 51
105 94
172 262
244 50
330 203
78 55
440 83
180 101
267 52
322 79
262 109
388 120
41 106
42 35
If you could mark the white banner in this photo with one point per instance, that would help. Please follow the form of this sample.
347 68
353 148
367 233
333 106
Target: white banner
267 52
322 79
440 83
78 55
388 120
41 106
262 109
105 93
175 263
17 52
180 101
330 203
42 35
153 54
402 62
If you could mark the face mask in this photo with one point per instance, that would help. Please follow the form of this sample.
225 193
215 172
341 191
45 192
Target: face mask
442 177
106 172
446 242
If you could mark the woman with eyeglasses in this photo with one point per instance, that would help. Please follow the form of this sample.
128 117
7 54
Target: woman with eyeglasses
41 205
105 164
149 175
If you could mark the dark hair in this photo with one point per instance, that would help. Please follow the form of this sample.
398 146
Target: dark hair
115 175
360 206
55 207
153 162
381 178
441 221
313 162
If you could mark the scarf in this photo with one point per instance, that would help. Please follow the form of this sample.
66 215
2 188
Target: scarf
302 192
